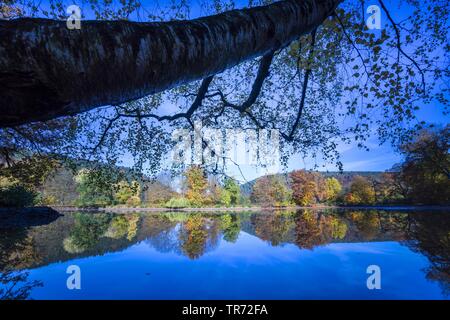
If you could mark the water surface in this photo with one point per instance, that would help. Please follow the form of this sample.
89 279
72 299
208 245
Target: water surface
306 254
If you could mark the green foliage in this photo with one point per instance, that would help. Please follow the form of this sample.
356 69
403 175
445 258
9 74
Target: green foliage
15 195
177 203
225 198
233 189
86 232
45 200
30 171
280 192
231 226
426 171
123 225
128 193
118 227
94 188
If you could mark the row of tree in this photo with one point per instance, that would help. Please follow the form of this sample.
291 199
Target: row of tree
422 178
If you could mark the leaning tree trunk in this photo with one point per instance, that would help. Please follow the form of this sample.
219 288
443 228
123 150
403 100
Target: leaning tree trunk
47 70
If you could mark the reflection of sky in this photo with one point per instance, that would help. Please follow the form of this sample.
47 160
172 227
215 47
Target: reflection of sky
247 269
379 158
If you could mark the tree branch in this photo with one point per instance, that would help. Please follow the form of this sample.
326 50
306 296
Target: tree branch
263 73
305 85
48 71
137 114
399 47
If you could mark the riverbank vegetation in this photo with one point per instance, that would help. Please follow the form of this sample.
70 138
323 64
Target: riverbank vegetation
421 179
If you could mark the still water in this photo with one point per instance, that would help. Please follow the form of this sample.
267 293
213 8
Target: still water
306 254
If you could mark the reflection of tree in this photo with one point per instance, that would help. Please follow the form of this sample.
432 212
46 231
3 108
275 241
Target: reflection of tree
133 221
118 227
367 222
231 227
430 235
17 251
314 228
338 228
193 236
189 234
308 229
274 228
86 232
159 231
14 285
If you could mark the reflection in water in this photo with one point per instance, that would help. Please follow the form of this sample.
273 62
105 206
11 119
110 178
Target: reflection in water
14 285
77 235
17 251
430 236
89 228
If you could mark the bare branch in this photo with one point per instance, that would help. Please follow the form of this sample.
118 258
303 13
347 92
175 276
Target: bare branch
201 94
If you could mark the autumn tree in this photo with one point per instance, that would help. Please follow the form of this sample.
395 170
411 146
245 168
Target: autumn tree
270 191
261 191
361 192
196 186
389 188
304 187
333 189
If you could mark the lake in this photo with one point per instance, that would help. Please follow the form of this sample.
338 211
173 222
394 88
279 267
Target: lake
305 254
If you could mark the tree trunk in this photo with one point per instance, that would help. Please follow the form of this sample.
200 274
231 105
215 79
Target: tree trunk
47 70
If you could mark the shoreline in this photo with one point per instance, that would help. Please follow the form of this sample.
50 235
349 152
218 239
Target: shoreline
124 210
254 208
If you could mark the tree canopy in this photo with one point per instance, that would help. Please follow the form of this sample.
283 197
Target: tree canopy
310 69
